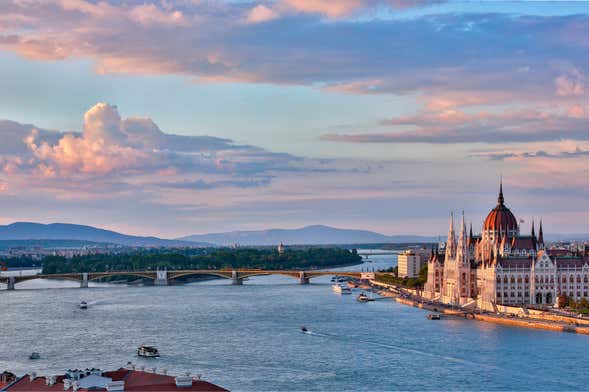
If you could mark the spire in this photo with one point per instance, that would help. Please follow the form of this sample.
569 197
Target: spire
533 231
451 243
540 234
470 231
500 199
462 238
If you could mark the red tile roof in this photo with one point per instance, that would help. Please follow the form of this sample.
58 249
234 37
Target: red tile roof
135 380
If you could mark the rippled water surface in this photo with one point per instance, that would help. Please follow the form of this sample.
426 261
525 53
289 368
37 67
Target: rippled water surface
248 338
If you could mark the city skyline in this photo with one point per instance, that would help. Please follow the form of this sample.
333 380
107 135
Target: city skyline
176 118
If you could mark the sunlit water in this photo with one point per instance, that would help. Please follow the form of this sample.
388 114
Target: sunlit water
248 338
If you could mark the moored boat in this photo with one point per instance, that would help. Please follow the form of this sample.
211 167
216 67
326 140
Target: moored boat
34 355
364 298
341 289
83 305
433 316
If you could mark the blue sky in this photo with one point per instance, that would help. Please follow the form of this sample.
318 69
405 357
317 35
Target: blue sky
382 115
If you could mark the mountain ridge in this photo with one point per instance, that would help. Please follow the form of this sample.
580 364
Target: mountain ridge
69 231
307 235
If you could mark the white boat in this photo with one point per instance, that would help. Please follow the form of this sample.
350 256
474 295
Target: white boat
34 355
341 289
83 305
148 352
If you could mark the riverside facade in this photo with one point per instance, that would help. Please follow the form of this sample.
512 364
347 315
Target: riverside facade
501 266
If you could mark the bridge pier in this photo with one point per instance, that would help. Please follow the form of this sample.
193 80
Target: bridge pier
11 283
161 278
84 281
235 279
303 278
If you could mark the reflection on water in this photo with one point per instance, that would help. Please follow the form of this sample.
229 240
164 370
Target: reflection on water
248 338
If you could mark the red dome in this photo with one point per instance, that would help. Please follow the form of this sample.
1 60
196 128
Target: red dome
501 218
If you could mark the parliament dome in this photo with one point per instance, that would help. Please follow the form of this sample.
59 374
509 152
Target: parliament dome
501 219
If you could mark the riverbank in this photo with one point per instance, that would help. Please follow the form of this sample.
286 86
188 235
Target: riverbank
549 322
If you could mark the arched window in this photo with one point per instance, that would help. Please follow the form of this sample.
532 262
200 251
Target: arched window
578 278
585 279
498 279
527 280
564 279
505 279
519 279
512 279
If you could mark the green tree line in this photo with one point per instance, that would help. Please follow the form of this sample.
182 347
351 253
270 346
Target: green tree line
175 259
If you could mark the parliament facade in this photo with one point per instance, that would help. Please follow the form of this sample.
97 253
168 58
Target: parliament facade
501 266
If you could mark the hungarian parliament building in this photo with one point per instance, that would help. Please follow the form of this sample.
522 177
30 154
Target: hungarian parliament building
503 267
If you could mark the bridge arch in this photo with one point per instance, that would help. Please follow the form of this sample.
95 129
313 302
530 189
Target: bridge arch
172 275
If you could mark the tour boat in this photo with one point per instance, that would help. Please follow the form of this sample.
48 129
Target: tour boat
34 355
148 352
364 298
341 289
433 316
304 329
83 305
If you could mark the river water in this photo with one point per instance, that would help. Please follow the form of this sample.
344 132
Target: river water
248 338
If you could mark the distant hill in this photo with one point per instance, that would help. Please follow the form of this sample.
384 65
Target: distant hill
310 235
64 231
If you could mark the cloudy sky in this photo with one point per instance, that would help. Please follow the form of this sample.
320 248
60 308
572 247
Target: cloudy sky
174 117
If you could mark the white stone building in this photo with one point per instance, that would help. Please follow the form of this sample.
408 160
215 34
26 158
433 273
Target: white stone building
503 267
410 262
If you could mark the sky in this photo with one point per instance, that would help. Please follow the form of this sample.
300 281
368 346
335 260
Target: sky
178 117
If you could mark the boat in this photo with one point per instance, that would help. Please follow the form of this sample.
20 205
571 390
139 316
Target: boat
341 289
148 352
433 316
304 329
364 298
83 305
34 355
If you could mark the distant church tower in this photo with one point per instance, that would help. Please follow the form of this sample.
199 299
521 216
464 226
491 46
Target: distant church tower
280 248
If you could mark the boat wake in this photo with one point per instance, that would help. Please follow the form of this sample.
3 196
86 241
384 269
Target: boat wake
400 348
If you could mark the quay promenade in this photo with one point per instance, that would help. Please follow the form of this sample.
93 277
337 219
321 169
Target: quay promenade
515 316
165 277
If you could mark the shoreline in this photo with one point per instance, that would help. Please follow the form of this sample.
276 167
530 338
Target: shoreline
559 324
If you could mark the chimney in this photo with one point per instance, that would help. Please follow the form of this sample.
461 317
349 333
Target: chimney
183 381
50 380
32 376
67 383
115 386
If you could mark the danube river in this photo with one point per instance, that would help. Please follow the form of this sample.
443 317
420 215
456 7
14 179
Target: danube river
248 338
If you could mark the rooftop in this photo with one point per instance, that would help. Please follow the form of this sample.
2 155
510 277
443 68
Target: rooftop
123 379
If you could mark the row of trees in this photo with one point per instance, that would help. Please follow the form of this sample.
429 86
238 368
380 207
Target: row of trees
175 259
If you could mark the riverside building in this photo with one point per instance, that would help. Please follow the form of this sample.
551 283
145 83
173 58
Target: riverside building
410 261
501 266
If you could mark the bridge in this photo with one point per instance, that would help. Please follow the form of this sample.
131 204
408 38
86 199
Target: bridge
164 277
378 253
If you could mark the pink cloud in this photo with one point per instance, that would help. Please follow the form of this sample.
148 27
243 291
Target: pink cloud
570 84
332 9
261 13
